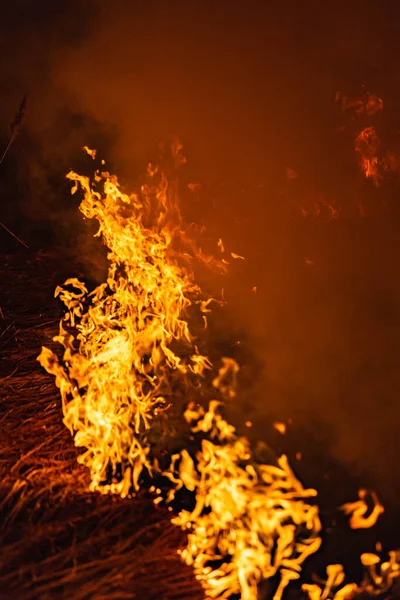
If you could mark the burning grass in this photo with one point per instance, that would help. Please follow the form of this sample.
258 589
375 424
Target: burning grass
56 539
131 361
248 520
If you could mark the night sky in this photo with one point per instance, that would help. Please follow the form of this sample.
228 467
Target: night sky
249 87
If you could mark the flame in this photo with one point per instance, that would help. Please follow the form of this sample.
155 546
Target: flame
374 162
237 256
119 364
318 206
377 163
250 519
91 153
130 362
365 105
367 145
357 510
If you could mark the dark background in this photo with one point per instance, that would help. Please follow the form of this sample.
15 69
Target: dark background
250 89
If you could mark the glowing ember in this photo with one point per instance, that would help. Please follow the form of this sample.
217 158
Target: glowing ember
280 427
237 256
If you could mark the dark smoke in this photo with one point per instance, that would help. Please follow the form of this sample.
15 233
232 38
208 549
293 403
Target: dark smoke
250 88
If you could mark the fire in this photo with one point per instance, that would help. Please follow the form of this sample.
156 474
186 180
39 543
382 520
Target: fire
374 162
119 365
132 375
237 256
251 518
357 510
130 360
365 105
378 579
367 145
379 164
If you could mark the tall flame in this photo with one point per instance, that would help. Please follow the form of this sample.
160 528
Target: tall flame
130 362
126 342
132 374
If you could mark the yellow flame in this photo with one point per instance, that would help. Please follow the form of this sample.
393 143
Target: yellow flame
119 362
237 256
251 519
91 153
129 363
358 510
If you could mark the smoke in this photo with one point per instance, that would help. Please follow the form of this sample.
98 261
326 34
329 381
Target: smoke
249 88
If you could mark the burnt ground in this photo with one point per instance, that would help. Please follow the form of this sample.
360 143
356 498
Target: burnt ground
59 541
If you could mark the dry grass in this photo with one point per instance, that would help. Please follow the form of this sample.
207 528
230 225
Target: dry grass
56 539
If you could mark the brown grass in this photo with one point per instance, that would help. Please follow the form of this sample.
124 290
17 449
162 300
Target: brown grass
56 539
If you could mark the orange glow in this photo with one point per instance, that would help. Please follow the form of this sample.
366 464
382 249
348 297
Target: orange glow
321 207
118 364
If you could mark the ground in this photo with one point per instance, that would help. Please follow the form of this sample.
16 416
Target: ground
57 540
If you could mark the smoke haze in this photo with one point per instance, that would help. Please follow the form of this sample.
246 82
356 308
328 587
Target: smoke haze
250 88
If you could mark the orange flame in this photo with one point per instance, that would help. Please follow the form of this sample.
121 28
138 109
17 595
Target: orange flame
366 105
367 145
129 362
128 349
357 510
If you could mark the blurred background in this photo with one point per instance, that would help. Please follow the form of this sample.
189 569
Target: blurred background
249 88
